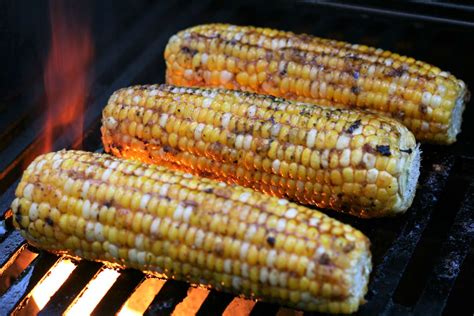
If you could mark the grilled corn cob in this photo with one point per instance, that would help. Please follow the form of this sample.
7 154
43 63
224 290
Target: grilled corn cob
173 224
342 159
427 100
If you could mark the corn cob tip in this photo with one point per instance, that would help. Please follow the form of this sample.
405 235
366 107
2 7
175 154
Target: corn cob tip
456 115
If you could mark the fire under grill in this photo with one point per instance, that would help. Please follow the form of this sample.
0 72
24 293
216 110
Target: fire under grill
423 260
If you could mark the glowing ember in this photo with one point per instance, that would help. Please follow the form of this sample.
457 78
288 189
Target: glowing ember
65 77
95 291
49 285
239 306
142 297
191 304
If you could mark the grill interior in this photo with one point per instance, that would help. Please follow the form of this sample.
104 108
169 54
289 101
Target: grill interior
423 260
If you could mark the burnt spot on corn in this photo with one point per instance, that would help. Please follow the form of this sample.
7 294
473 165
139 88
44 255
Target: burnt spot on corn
188 51
423 108
223 192
168 149
269 55
296 55
208 190
368 149
348 247
324 259
306 112
219 248
353 127
49 221
262 146
408 151
18 216
399 115
355 90
397 72
216 147
355 75
384 150
107 204
271 241
352 56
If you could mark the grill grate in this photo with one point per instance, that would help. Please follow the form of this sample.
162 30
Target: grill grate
422 260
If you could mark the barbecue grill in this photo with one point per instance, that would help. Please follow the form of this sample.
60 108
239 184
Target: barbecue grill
423 260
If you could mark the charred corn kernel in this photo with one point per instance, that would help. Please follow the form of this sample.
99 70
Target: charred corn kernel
305 152
298 67
237 259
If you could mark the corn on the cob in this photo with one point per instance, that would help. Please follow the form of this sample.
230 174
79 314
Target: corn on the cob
427 100
173 224
342 159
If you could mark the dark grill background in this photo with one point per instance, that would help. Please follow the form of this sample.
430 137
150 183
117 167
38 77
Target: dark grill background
423 260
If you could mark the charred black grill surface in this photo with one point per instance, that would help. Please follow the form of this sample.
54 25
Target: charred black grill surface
423 260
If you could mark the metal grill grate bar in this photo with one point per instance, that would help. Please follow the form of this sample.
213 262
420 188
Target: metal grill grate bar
69 290
454 250
34 273
118 294
10 248
170 295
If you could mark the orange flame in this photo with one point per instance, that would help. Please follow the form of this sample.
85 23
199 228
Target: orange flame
65 76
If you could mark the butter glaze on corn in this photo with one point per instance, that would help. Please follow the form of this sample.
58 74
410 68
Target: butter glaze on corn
427 100
173 224
346 160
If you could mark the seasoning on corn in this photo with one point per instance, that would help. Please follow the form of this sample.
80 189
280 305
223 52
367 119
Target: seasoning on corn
333 158
176 225
427 100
